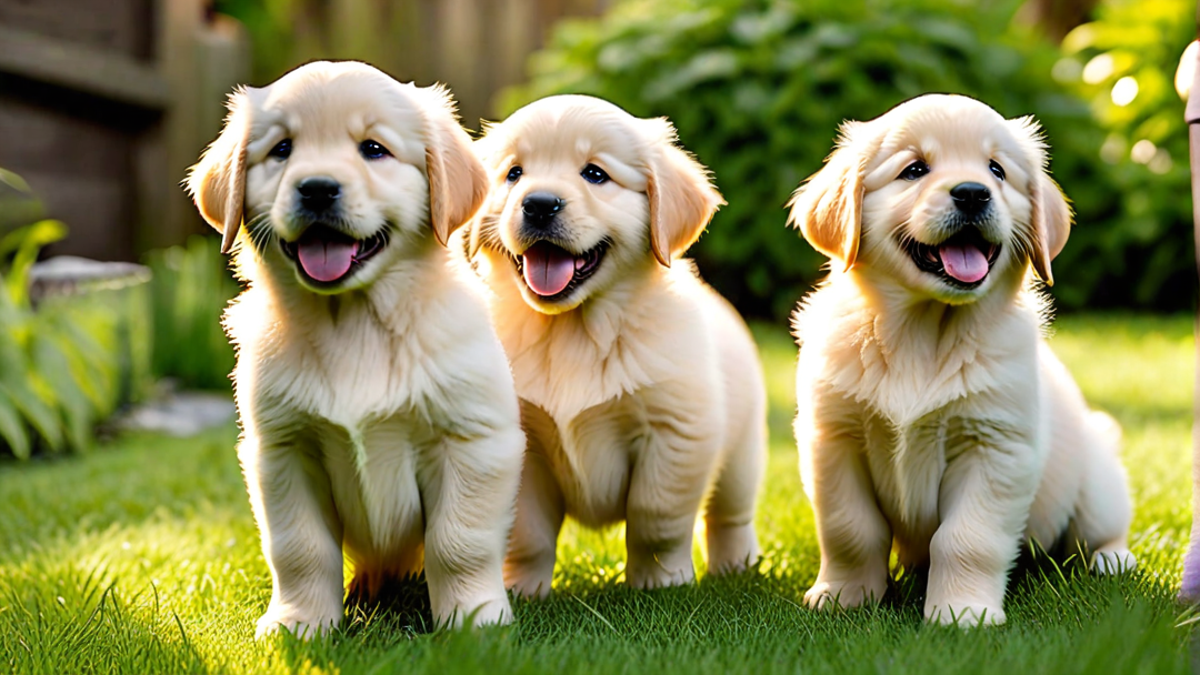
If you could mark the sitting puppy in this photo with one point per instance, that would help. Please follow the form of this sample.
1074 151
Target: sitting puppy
642 395
377 408
931 411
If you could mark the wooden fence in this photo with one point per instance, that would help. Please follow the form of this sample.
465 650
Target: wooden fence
100 112
105 103
475 46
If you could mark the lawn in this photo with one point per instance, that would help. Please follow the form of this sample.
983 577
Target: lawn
142 557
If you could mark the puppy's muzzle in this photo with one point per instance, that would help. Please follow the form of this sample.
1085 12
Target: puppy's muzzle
971 199
318 194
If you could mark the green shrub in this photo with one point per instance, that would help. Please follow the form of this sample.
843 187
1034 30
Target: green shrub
1143 256
60 366
190 287
68 363
758 88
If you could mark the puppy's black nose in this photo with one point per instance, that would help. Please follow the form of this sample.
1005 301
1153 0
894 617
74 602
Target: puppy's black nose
318 194
541 207
970 198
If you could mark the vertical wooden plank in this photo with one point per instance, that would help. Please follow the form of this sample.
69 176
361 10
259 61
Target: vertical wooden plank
168 219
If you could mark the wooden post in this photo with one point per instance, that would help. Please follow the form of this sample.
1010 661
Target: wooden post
1190 589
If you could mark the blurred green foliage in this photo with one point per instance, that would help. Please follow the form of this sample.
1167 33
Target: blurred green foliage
190 287
64 366
271 23
1124 64
757 89
68 362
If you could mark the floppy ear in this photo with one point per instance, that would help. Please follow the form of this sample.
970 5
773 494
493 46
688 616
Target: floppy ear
217 182
682 199
828 206
1050 218
484 150
1051 222
457 179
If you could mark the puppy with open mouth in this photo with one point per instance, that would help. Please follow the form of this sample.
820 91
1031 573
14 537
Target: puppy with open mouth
642 396
377 408
933 416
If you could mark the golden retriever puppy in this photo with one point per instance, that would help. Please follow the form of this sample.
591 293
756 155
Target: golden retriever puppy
377 408
642 396
932 414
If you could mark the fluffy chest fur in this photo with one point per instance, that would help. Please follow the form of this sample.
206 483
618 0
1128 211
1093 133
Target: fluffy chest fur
918 386
601 381
906 362
612 346
367 384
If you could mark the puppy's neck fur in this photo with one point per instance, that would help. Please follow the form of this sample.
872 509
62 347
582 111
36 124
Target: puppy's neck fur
371 343
891 342
619 340
386 297
901 314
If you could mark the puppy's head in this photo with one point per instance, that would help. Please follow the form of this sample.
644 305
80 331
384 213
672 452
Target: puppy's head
582 194
941 194
336 169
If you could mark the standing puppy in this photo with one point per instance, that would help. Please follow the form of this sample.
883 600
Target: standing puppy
641 390
376 405
931 411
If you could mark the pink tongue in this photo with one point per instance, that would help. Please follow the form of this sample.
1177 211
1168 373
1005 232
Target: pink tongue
965 263
325 260
548 269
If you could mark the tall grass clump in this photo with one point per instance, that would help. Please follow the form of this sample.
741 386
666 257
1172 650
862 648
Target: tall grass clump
191 286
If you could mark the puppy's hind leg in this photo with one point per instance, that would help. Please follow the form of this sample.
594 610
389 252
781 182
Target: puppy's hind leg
729 515
529 565
1104 512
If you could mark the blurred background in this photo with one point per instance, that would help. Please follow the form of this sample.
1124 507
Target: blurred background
105 103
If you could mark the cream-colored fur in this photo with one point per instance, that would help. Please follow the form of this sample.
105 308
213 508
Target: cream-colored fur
642 395
931 415
378 413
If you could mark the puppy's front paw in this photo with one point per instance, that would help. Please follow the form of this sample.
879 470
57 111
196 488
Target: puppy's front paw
1115 561
486 612
732 549
305 628
650 567
964 615
496 612
654 575
844 594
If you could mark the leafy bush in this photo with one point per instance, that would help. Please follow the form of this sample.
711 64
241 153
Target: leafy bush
61 364
67 364
758 88
1124 63
189 290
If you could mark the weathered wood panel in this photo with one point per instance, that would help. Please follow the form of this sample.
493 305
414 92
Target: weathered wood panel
78 163
477 47
123 27
105 103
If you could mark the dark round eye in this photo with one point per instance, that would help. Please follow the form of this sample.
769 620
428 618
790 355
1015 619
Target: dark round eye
514 174
594 174
373 150
915 170
282 149
997 170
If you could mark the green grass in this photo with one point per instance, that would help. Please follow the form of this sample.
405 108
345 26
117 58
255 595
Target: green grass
143 558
